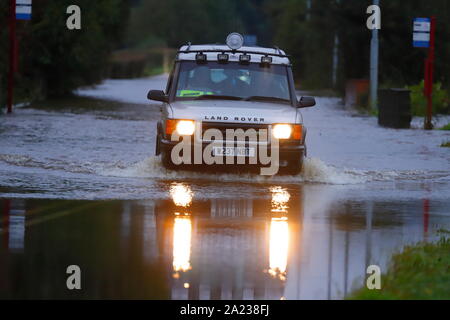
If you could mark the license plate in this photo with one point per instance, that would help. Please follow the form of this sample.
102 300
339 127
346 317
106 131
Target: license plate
234 151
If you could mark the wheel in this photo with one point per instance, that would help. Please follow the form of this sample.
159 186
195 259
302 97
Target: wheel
293 168
158 146
166 160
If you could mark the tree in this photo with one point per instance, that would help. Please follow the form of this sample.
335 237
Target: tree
55 60
309 38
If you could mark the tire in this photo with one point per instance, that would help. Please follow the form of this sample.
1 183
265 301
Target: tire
158 146
166 161
293 168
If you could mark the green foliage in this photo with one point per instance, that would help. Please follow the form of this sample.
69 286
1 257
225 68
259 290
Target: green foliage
419 272
446 127
55 60
310 37
374 113
445 144
441 99
148 72
173 22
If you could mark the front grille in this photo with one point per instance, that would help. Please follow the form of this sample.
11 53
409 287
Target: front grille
222 127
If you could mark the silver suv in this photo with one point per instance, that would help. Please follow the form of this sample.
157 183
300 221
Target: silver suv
231 102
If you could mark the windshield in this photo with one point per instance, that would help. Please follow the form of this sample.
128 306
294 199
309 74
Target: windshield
232 81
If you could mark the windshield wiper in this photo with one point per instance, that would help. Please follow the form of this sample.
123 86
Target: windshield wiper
216 97
263 98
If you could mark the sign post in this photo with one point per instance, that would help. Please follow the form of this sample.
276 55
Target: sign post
424 37
18 10
23 9
374 57
12 54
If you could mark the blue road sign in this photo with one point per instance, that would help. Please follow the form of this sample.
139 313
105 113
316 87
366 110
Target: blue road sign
250 40
23 9
421 32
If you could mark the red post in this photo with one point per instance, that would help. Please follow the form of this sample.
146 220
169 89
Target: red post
12 53
6 213
429 70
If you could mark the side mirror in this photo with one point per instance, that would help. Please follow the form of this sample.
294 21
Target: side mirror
306 102
157 95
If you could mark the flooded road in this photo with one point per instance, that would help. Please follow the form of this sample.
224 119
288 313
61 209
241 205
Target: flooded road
295 242
79 185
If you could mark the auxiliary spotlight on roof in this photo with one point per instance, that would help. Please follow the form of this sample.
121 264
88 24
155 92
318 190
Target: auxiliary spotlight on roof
266 60
245 58
223 57
201 57
235 40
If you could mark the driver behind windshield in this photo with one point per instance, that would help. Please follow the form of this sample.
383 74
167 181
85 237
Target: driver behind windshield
199 84
232 80
232 85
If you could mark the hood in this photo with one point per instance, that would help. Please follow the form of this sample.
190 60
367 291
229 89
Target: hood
235 111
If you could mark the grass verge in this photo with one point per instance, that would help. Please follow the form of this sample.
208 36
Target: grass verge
154 71
419 272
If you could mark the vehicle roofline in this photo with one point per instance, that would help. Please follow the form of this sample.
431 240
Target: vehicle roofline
280 55
287 64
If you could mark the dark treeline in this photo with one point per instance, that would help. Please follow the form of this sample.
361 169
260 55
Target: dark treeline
54 60
311 35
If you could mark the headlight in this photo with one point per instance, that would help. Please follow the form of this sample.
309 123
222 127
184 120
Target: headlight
282 131
185 127
287 131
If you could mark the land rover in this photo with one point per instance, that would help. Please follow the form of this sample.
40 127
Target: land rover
227 89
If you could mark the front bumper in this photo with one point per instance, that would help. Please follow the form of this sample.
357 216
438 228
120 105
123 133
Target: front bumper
288 151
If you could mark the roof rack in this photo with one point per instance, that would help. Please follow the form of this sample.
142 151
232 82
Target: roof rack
235 51
277 49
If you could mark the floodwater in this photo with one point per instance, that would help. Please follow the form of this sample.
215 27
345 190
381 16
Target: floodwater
79 185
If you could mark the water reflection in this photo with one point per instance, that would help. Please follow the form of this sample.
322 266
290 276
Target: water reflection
14 222
295 242
181 194
229 258
182 235
279 233
280 199
279 247
182 228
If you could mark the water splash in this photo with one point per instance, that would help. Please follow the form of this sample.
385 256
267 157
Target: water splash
314 171
47 163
